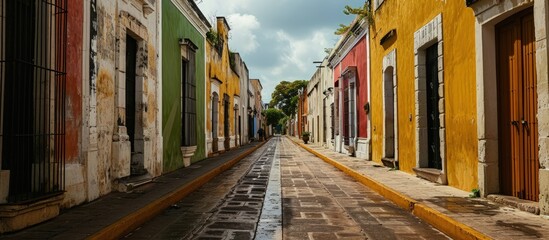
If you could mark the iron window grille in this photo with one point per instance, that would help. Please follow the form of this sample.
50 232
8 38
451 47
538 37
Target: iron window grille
188 94
346 112
226 121
332 125
33 43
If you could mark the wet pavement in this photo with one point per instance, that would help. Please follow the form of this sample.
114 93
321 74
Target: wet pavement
284 192
227 207
302 197
113 215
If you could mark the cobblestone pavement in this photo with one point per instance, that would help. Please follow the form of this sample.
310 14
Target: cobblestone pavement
284 192
321 202
228 207
442 202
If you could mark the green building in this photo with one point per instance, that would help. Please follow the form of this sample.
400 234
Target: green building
184 29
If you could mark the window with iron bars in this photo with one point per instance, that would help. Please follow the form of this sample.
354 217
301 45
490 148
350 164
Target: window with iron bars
188 100
332 117
33 38
346 113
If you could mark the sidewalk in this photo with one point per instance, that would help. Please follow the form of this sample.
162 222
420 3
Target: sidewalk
116 214
447 208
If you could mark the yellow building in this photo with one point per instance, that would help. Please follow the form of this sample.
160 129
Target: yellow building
223 88
423 99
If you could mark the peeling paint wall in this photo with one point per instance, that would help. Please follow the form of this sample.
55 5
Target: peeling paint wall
107 120
258 106
74 170
242 71
220 72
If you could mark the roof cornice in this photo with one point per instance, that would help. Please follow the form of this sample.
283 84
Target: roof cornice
190 10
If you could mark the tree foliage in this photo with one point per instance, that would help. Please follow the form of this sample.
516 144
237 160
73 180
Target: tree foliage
362 12
285 96
273 116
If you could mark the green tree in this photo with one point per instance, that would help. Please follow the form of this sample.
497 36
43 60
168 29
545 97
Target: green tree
285 96
282 124
273 116
362 12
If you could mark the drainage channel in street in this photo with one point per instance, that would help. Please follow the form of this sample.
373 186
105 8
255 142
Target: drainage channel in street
243 211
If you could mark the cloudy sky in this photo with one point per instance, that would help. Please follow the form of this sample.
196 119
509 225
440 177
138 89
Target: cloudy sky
280 39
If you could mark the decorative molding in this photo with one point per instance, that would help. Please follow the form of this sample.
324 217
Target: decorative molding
185 42
345 45
429 35
349 72
189 9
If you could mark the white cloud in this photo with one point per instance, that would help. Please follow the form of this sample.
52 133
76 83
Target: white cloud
279 40
242 35
213 8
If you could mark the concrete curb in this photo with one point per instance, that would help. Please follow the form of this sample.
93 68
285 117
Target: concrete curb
132 221
442 222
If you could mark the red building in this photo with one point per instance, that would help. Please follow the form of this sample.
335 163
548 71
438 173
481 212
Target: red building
349 62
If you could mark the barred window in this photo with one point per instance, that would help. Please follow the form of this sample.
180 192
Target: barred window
332 118
33 40
346 112
188 99
352 110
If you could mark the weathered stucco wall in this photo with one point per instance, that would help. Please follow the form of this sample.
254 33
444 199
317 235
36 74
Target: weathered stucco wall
175 26
74 181
115 19
218 68
459 83
258 99
243 74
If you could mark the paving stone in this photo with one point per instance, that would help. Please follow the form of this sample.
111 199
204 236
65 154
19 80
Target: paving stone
335 206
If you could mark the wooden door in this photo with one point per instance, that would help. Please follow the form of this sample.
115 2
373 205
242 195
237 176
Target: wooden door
517 107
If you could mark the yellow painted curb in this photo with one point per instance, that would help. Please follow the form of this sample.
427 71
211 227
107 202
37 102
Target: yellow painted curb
132 221
442 222
445 224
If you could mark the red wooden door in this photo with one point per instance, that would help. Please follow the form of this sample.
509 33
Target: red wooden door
517 107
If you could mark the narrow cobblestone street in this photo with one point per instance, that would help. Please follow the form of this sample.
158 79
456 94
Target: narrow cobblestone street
321 202
283 192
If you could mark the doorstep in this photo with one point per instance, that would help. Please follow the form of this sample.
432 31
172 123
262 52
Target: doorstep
521 204
431 174
15 217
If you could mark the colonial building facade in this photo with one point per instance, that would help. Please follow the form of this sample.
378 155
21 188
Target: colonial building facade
41 110
256 108
93 103
223 88
423 91
349 61
513 98
183 78
117 94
